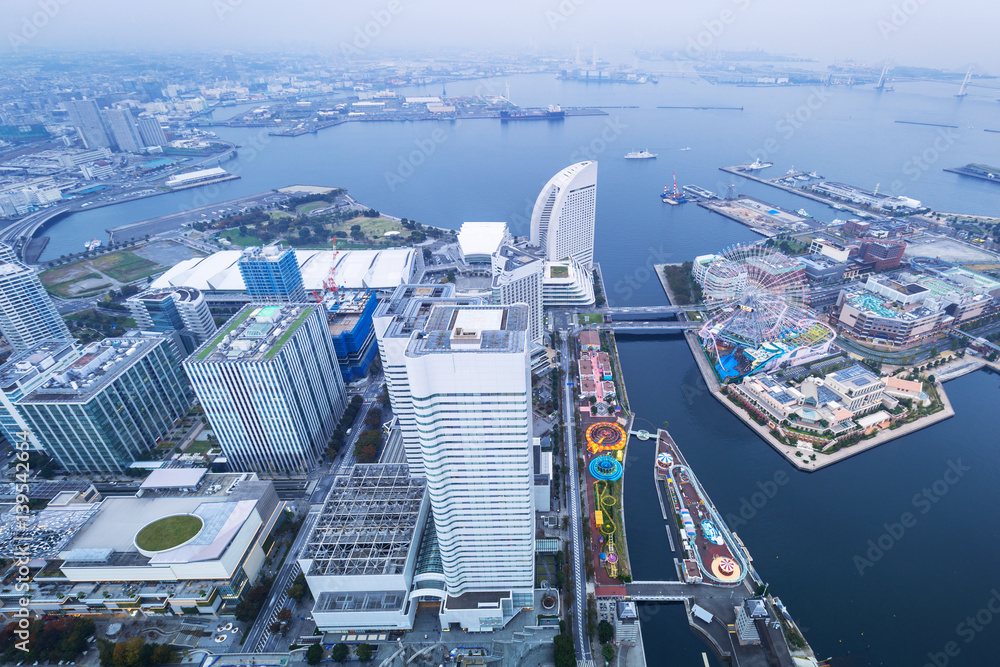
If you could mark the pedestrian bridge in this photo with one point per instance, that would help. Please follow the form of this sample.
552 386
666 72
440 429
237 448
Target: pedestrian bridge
642 325
675 591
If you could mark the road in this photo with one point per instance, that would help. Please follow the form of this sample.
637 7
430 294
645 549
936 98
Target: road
370 393
259 637
576 523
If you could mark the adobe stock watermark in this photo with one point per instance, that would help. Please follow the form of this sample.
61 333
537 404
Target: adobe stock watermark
247 152
923 501
33 23
562 12
899 16
612 130
225 7
365 34
750 506
793 121
970 628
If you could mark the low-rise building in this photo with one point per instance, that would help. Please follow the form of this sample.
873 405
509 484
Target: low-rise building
477 241
190 542
567 283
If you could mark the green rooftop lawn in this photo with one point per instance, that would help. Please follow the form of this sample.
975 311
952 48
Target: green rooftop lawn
168 532
288 334
235 322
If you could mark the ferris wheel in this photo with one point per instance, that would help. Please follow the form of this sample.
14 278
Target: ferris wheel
754 293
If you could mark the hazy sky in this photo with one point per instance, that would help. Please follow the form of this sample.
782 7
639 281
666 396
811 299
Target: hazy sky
932 33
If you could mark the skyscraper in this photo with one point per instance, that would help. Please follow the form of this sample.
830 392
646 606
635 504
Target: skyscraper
562 222
272 275
395 320
271 387
89 123
109 407
22 374
470 381
151 132
181 309
124 131
517 278
27 314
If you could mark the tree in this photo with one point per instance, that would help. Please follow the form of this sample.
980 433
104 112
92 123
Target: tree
284 615
365 652
339 652
450 276
314 654
563 651
608 652
605 632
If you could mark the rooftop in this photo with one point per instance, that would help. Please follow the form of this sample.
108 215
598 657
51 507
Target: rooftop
255 333
100 364
368 522
472 329
23 367
482 238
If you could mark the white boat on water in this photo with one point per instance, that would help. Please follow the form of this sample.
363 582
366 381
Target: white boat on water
803 213
640 155
757 164
92 245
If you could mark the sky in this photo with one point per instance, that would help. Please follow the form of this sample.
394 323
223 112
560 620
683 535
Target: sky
928 33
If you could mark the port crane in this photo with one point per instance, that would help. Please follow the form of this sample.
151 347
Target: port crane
676 196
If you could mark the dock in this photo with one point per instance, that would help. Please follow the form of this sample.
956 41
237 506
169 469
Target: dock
736 171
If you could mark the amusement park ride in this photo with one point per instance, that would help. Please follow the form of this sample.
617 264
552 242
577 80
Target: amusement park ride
606 441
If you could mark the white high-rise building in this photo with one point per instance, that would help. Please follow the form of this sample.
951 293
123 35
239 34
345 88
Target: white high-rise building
470 382
395 320
562 222
271 386
517 278
27 314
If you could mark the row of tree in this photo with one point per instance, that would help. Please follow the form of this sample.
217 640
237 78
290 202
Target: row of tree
52 641
135 652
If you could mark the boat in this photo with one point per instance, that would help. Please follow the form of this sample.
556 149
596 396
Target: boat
640 155
92 245
839 207
673 197
554 112
813 174
686 149
700 192
802 178
803 213
757 164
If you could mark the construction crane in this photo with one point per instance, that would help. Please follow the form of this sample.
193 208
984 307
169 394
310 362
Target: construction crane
331 278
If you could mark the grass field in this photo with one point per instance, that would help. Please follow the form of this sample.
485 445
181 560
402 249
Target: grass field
236 238
306 209
591 318
168 532
125 266
199 447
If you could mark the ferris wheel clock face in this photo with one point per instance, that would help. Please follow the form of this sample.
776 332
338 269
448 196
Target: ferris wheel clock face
755 293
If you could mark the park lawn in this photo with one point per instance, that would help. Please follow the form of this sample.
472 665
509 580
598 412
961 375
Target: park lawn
168 532
374 228
125 266
199 447
278 215
591 318
236 238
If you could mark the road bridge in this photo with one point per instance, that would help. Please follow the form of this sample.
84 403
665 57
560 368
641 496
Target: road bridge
640 325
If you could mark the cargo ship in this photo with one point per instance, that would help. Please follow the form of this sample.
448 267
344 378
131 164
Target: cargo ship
554 112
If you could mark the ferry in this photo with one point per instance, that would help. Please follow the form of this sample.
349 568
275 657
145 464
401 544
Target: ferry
757 164
92 245
640 155
700 192
711 533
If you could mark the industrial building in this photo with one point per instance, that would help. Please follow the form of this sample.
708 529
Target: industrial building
270 385
108 407
115 555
